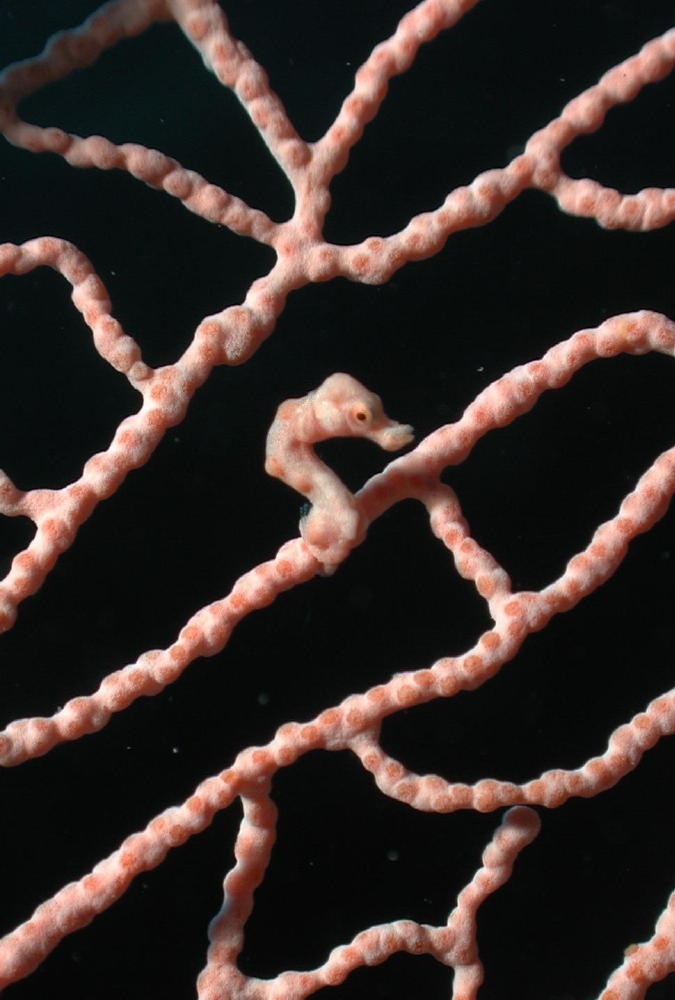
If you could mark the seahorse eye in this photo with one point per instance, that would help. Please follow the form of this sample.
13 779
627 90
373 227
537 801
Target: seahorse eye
362 415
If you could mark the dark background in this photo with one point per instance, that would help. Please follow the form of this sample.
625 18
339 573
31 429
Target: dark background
182 529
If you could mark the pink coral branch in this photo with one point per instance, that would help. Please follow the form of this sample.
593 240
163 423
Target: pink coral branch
339 519
233 335
647 963
355 723
453 944
415 475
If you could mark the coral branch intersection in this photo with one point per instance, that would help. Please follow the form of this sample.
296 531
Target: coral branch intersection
338 519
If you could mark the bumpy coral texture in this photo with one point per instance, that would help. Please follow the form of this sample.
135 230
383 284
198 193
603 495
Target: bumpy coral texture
337 520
